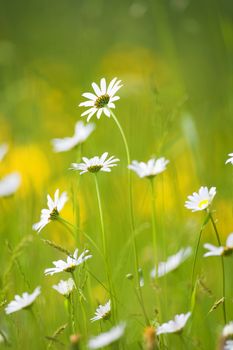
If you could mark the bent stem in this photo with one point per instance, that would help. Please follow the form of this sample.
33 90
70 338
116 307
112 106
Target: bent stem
132 221
104 243
223 268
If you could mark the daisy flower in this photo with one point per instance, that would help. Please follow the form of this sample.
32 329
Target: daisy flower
65 287
3 150
150 169
174 326
217 251
230 159
102 100
95 164
52 213
172 263
228 330
102 312
22 302
228 345
9 184
201 200
107 338
69 265
81 133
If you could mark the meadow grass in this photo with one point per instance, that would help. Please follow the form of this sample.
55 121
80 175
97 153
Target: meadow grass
175 103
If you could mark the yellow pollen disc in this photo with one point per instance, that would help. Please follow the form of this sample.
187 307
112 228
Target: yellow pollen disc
203 203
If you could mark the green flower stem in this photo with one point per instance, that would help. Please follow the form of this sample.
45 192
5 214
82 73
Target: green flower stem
153 216
81 306
104 243
223 269
71 314
66 224
132 221
197 248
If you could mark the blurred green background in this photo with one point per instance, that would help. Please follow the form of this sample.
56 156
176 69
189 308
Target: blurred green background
175 60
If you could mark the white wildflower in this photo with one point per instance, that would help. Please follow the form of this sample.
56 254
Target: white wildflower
102 312
201 200
69 265
172 263
9 184
174 326
107 338
102 100
65 287
217 251
230 159
81 133
52 213
22 302
150 169
95 164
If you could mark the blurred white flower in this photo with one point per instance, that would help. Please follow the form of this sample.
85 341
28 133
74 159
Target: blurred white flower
102 100
65 287
102 312
107 338
228 345
228 330
95 164
172 263
174 326
9 184
22 302
52 213
69 265
3 150
217 251
230 159
81 133
150 169
201 200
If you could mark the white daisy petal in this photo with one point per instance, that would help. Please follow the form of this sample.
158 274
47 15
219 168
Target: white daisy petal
55 206
95 164
102 100
174 326
107 338
150 169
22 302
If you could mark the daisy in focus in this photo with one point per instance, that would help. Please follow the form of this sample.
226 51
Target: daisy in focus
230 159
3 150
107 338
201 200
82 132
70 264
52 213
150 169
102 312
102 100
9 184
65 287
95 164
22 302
172 263
174 326
218 251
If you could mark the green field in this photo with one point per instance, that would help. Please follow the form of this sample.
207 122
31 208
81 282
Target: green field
174 58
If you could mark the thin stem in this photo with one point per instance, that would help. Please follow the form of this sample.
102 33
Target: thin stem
223 268
65 224
197 248
104 243
132 221
153 217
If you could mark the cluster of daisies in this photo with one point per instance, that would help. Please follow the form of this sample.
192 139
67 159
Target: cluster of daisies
102 101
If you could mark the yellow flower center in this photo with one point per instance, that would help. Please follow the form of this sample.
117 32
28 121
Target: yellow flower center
203 203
